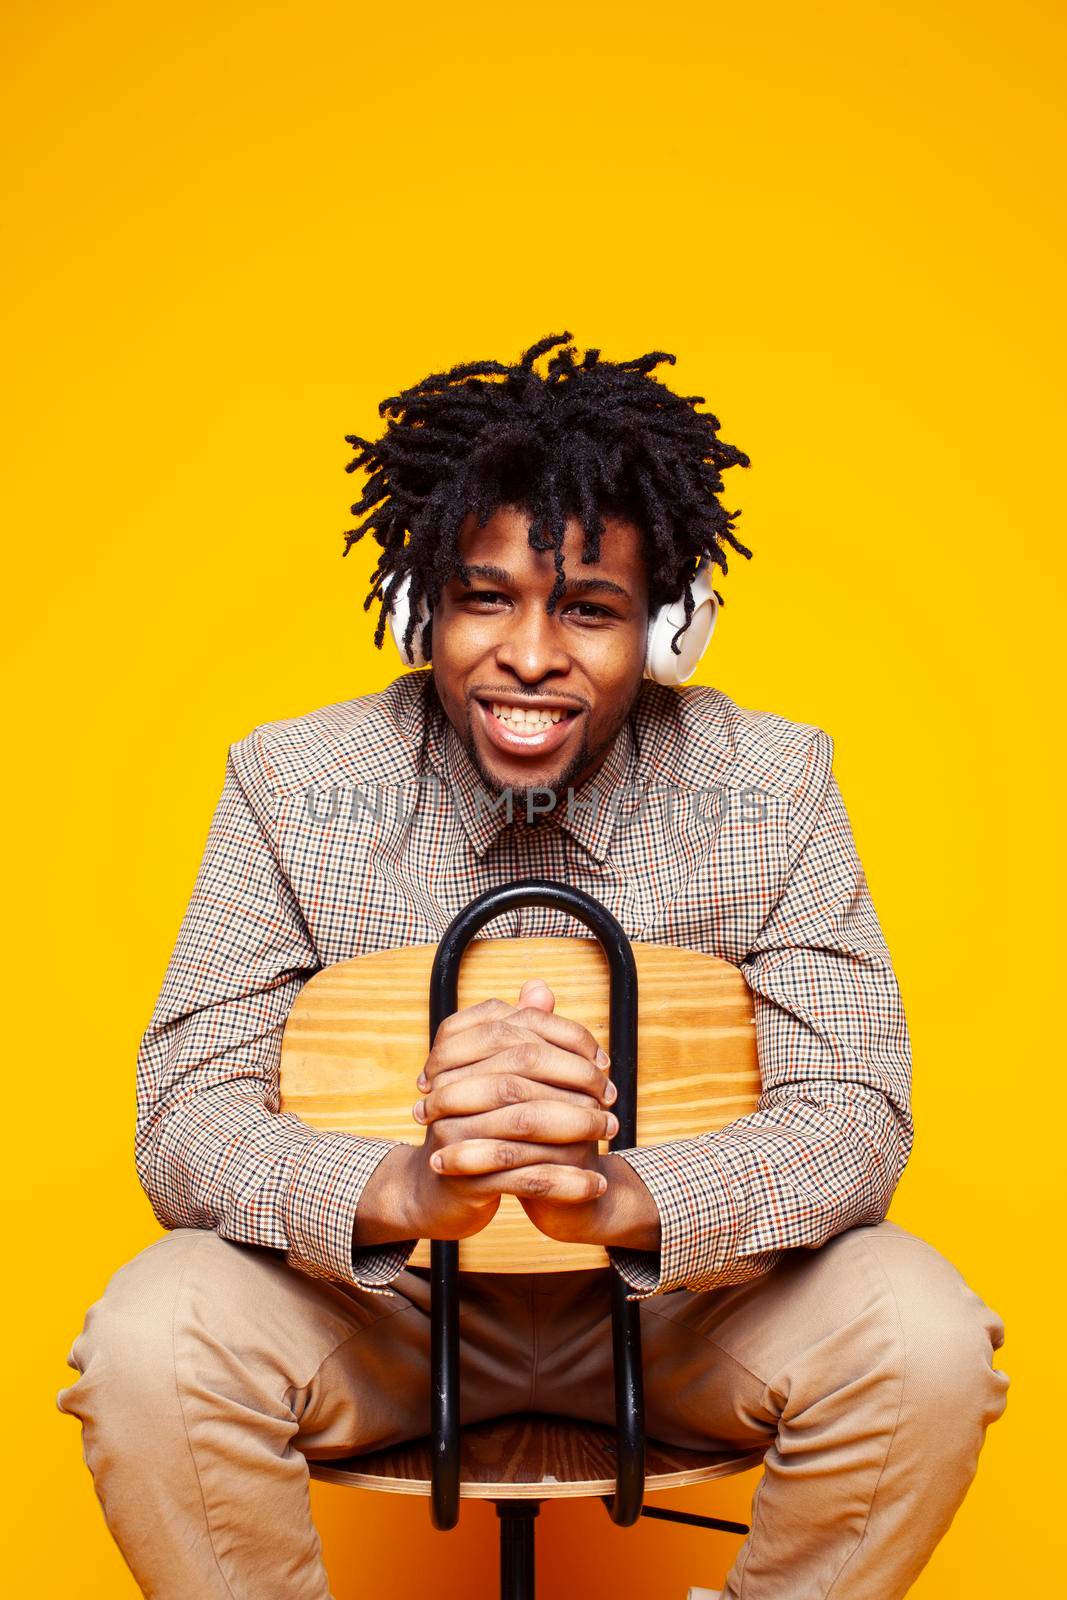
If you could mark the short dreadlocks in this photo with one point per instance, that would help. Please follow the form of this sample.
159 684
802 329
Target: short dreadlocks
586 438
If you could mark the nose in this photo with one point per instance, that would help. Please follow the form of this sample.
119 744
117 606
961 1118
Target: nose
532 646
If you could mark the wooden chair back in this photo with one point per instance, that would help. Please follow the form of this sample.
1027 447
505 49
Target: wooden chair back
357 1037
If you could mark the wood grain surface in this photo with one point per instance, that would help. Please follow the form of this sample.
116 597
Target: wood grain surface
358 1034
528 1457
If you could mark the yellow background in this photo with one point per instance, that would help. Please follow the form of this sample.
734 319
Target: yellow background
232 229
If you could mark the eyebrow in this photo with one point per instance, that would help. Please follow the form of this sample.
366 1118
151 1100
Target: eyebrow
571 585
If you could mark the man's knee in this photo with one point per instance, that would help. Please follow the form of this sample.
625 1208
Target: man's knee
189 1286
198 1318
950 1344
947 1338
124 1354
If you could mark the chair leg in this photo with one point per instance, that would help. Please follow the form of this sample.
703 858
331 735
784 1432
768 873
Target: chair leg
517 1547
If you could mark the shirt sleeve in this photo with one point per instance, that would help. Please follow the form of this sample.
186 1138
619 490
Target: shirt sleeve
213 1150
832 1131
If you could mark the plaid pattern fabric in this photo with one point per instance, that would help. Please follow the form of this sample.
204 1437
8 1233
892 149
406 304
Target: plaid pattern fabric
364 826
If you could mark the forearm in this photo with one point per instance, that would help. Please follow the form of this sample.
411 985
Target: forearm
220 1159
792 1175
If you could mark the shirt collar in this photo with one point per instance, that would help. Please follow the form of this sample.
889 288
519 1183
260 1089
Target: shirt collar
587 812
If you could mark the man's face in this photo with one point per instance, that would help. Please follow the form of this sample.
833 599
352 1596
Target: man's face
575 673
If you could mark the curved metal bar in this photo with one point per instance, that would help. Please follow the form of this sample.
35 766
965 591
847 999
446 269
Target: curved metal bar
625 1504
444 1379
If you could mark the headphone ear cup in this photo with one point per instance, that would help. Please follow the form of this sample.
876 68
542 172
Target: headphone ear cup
661 663
398 622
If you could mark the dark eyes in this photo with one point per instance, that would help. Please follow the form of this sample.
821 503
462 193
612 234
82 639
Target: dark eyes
590 609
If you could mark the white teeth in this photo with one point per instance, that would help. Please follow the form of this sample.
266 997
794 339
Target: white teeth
525 719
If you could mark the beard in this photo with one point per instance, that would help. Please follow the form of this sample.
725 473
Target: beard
521 798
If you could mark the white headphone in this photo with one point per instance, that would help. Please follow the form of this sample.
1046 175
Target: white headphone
661 663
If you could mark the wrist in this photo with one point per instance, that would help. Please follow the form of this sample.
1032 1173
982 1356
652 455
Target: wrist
631 1215
386 1211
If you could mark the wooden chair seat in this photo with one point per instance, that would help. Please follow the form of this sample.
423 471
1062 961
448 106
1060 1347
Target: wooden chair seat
529 1456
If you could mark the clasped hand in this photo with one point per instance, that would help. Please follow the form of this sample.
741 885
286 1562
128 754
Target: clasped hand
515 1101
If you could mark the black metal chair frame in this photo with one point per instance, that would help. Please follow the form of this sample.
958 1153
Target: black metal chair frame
517 1517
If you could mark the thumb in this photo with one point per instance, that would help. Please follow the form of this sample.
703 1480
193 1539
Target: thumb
535 992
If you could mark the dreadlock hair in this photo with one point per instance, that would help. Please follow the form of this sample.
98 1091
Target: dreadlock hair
585 438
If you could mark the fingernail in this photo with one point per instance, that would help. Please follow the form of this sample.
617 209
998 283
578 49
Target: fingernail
613 1127
602 1184
422 1081
437 1162
610 1093
418 1110
602 1057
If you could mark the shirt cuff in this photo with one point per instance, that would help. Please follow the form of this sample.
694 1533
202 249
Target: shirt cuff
699 1223
320 1211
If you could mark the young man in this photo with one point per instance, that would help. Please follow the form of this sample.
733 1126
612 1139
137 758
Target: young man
536 524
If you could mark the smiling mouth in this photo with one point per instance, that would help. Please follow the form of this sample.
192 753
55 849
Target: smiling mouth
527 719
538 729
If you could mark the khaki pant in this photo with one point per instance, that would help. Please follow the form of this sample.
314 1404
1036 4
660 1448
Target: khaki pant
210 1371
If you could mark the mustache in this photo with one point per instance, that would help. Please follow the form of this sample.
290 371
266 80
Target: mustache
571 702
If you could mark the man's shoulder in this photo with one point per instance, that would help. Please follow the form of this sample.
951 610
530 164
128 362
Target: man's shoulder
698 736
373 737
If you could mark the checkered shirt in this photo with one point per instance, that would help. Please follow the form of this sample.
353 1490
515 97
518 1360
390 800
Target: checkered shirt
365 826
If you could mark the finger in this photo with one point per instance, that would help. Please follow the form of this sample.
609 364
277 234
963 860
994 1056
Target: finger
467 1095
535 992
491 1155
501 1032
471 1016
491 1033
566 1032
535 1122
541 1063
568 1185
453 1040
